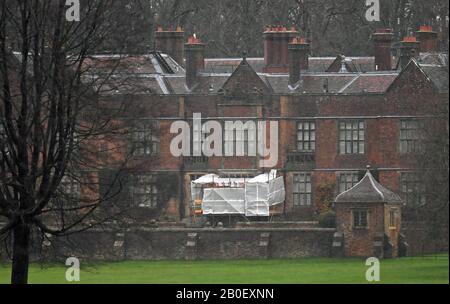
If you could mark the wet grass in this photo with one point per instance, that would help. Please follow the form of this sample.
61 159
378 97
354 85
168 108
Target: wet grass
417 270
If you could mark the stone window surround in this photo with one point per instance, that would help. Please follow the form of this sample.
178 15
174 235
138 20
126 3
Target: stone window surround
409 136
393 213
358 145
367 211
70 186
306 192
407 178
145 138
150 191
345 174
301 131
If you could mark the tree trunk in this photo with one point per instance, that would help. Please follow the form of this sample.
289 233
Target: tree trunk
21 245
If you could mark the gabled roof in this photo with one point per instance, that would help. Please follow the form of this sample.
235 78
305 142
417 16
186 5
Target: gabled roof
434 58
370 83
245 80
334 83
316 64
153 63
368 190
438 75
158 73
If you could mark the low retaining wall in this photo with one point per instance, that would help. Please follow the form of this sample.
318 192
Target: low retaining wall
209 243
179 244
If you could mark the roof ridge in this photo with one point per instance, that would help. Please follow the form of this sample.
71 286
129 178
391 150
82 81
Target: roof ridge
348 190
374 184
345 87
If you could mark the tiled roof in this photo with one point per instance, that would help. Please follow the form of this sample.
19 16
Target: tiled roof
228 65
316 64
155 63
245 80
438 75
129 84
208 84
352 64
160 74
433 58
370 83
368 190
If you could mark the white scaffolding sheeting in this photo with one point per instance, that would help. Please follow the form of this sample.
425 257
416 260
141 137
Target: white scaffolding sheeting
238 196
197 185
207 179
224 201
276 193
264 178
256 203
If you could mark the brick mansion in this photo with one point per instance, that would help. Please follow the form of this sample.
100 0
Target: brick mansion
336 115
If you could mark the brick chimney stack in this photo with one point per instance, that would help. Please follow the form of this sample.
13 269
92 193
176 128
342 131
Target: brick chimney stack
409 49
382 40
298 59
428 39
276 41
171 42
195 60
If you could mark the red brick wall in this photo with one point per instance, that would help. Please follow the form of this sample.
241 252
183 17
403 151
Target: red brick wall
359 242
411 94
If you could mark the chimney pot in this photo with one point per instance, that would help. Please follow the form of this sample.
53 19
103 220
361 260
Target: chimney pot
276 54
409 39
194 40
171 43
195 60
428 39
382 40
426 28
409 49
298 58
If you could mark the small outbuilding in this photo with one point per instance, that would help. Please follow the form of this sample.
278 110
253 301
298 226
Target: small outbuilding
368 219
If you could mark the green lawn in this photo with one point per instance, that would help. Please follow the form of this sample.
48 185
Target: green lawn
433 269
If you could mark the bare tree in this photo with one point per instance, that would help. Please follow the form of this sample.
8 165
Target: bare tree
334 27
51 117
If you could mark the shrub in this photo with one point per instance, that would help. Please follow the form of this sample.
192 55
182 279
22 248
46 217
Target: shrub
327 219
324 194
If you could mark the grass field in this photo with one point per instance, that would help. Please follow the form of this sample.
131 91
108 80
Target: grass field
428 270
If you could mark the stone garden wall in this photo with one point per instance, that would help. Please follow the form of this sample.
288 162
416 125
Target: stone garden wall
207 243
182 243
